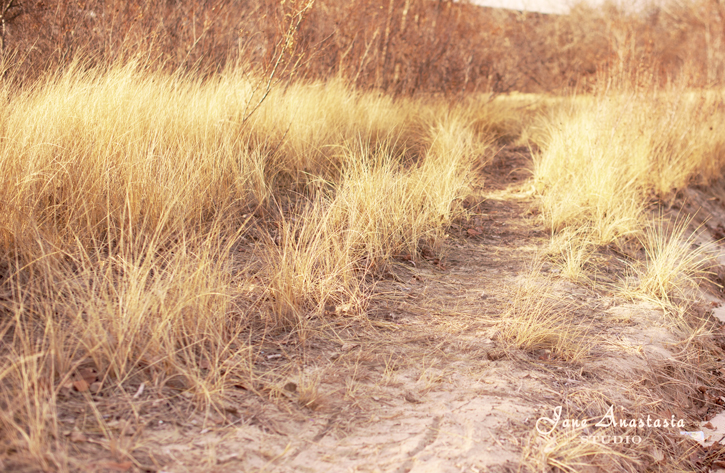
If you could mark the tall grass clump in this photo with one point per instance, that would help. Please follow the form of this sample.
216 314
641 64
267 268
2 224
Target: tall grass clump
603 159
675 264
538 320
380 207
151 222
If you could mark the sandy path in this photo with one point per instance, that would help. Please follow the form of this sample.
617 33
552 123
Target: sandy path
424 383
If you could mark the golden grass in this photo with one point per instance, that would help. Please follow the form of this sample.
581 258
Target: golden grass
603 157
539 321
568 451
572 249
152 225
150 222
675 264
607 160
603 164
379 208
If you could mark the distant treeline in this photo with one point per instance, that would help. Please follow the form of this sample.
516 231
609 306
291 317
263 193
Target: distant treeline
399 46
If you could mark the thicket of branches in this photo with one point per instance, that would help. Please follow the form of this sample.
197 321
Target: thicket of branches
400 46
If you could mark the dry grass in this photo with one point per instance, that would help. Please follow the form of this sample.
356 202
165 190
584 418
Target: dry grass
538 321
606 160
603 157
156 228
380 207
573 250
675 264
566 450
151 224
604 163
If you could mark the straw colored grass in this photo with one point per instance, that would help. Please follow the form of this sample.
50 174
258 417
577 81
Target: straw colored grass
151 223
602 158
567 450
675 264
155 227
539 322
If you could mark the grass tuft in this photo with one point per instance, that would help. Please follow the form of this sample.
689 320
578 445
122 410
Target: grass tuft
538 321
675 264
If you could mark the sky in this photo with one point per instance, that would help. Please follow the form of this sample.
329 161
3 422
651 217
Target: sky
545 6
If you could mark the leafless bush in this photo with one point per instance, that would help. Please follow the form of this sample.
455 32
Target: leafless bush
400 46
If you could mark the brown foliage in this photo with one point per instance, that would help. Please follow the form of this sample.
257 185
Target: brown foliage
400 46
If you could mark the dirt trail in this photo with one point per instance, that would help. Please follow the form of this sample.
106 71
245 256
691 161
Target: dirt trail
425 384
422 388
